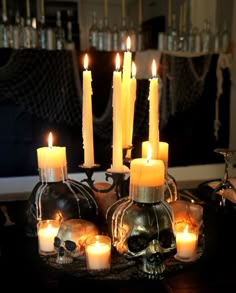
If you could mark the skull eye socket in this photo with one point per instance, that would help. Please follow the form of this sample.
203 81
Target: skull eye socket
57 242
70 245
166 238
137 243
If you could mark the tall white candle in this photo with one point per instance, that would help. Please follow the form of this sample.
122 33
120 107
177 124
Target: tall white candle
87 127
117 152
126 76
154 112
131 106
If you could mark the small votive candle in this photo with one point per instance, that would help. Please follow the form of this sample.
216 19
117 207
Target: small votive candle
98 252
186 244
47 231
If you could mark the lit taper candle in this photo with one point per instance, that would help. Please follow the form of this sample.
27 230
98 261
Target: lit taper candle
87 127
154 112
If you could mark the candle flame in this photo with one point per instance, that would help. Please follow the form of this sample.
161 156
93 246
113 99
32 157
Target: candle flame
149 152
186 230
133 69
154 68
86 61
128 43
117 61
50 140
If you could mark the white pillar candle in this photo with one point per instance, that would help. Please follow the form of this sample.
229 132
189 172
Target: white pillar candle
117 152
47 231
51 156
164 152
98 252
154 112
87 127
186 243
146 172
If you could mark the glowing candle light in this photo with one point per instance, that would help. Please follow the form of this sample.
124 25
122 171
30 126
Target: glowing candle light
154 112
186 243
87 127
146 171
47 230
117 152
51 156
98 252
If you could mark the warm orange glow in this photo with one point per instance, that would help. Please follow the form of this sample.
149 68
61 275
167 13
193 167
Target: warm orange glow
128 43
117 61
154 68
86 61
133 69
50 140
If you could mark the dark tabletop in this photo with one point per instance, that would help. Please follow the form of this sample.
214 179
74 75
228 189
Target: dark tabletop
215 271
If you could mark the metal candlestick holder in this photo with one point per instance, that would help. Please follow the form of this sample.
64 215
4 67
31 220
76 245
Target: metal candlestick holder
120 182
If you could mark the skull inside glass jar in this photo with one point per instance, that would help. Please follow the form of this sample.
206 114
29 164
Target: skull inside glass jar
70 240
142 232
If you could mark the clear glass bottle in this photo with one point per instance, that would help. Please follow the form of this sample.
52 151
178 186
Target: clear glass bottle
191 39
140 43
107 35
206 37
172 36
115 38
225 39
100 45
216 44
5 28
42 29
17 32
93 32
27 30
133 37
34 34
123 33
59 33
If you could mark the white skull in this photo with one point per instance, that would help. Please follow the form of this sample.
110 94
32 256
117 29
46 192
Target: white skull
142 232
70 239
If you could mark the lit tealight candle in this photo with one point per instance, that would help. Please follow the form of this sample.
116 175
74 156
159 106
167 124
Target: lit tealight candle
52 161
87 124
186 244
98 252
47 231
